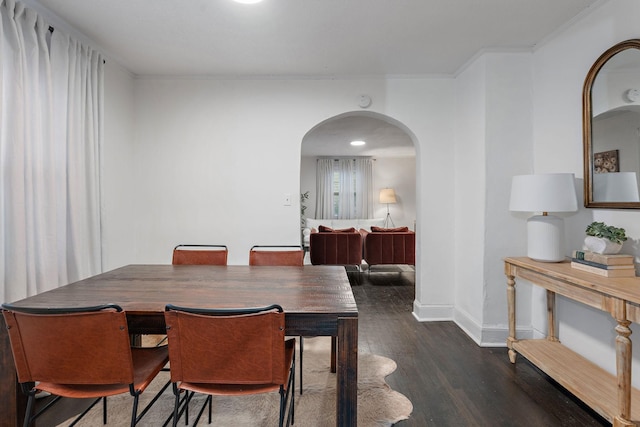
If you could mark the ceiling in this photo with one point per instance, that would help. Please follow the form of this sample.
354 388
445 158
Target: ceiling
310 38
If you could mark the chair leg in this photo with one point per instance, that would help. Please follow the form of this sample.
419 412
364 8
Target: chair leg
207 403
30 416
186 407
176 404
134 410
282 406
292 410
301 351
284 397
104 410
27 415
292 387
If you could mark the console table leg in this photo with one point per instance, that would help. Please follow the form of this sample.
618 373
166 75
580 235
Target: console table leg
551 316
623 366
511 300
619 422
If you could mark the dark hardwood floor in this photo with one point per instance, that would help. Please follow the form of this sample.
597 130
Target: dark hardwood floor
450 380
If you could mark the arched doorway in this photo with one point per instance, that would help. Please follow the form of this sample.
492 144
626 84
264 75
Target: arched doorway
390 143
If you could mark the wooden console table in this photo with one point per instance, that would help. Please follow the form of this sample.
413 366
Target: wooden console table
611 396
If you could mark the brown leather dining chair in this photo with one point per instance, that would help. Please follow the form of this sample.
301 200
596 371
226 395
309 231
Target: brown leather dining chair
230 352
189 254
283 256
200 255
80 353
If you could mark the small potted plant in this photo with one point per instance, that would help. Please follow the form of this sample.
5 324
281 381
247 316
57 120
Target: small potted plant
303 199
604 239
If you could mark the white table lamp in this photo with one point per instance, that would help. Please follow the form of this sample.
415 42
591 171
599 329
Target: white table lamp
553 192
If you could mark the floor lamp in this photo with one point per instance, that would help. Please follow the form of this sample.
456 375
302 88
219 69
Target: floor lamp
388 196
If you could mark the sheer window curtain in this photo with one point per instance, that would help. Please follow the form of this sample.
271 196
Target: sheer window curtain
346 191
364 188
51 91
324 189
355 189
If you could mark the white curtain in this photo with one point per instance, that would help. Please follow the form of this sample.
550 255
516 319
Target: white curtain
354 187
346 190
50 133
324 189
364 188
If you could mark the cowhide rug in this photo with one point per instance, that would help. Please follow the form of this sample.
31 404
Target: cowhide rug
378 404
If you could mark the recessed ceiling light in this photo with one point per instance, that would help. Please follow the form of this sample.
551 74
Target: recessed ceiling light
247 1
356 143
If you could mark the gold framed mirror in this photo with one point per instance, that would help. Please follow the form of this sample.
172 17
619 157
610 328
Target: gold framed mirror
611 129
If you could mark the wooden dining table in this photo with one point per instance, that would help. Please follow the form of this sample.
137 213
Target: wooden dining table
317 301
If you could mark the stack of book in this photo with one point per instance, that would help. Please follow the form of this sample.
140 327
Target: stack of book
617 265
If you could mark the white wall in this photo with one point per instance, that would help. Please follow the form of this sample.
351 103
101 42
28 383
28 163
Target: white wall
212 160
398 173
493 143
509 141
118 166
470 196
518 114
425 107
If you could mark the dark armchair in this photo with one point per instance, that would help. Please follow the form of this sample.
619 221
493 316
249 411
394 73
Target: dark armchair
335 247
390 246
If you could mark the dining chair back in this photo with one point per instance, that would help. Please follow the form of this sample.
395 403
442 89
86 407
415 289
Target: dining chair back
200 255
230 352
287 256
79 353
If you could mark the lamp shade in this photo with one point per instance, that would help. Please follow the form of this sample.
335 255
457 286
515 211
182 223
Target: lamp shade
551 192
387 195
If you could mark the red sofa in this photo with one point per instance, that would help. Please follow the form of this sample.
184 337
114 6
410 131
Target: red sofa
350 247
335 247
389 246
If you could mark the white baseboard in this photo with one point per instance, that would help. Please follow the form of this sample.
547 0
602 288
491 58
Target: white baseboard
432 313
484 336
469 326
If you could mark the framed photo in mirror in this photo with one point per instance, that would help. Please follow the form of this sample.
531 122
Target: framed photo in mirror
606 161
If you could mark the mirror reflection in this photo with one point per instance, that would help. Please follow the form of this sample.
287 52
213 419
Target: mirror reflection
612 134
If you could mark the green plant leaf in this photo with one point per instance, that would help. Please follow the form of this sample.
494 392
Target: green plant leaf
600 229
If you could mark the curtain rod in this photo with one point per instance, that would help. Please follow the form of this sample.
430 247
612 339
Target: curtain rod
51 30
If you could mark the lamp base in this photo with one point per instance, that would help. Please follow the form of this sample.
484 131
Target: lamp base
545 238
388 219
